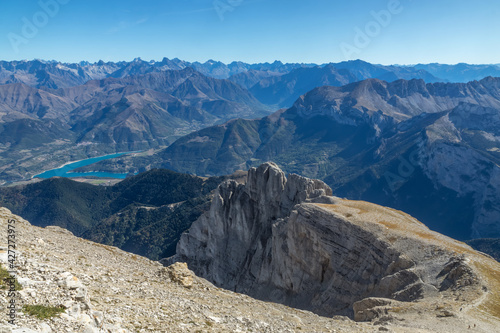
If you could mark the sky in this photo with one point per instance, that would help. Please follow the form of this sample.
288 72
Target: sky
304 31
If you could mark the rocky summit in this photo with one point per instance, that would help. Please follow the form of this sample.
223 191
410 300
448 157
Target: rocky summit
288 240
106 290
276 254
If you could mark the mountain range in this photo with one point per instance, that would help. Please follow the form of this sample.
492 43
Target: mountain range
404 144
460 72
54 74
284 90
112 115
394 135
57 112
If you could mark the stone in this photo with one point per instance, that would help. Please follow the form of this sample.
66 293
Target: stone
98 317
25 282
68 303
81 294
3 255
371 308
178 273
84 319
45 328
445 313
90 329
69 281
74 311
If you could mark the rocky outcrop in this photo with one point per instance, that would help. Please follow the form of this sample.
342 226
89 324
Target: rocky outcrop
178 273
241 218
119 292
290 241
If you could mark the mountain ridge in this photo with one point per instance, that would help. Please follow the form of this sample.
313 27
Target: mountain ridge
54 74
360 139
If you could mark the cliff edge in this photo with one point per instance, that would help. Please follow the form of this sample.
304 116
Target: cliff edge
288 240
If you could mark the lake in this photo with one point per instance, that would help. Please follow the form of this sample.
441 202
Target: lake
65 170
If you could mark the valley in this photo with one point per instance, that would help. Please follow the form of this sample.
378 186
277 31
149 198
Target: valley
386 142
249 166
151 158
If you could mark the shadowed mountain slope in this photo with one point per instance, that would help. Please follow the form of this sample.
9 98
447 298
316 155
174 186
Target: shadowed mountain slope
404 144
144 214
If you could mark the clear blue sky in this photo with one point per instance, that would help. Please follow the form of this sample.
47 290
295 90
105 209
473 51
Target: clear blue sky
319 31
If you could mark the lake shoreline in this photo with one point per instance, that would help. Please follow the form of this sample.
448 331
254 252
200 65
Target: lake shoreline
65 169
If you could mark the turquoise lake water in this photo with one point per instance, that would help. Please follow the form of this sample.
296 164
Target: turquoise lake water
65 171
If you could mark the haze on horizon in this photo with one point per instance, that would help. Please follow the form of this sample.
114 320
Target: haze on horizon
321 31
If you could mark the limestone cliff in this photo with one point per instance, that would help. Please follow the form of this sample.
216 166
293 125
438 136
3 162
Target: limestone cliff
290 241
241 222
102 289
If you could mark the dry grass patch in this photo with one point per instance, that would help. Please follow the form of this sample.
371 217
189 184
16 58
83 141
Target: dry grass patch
398 223
491 272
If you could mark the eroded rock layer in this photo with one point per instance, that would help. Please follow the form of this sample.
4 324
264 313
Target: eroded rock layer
290 241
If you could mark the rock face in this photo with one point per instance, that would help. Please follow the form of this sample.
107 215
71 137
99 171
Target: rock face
119 292
404 144
290 241
242 219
